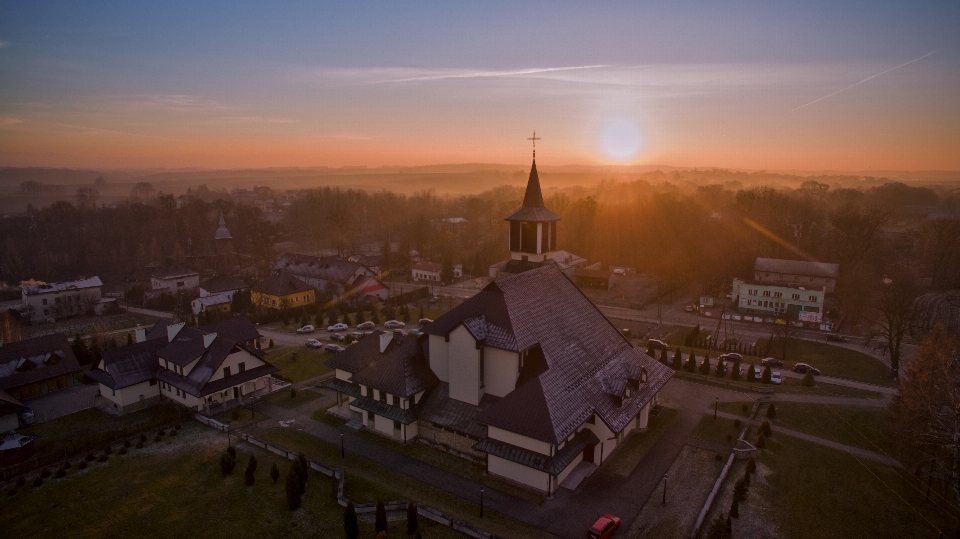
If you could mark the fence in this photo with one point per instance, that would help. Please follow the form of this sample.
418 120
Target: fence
397 505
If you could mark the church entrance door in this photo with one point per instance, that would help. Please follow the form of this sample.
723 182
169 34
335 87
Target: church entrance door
588 453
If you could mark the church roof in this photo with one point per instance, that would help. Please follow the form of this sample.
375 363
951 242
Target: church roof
222 232
533 209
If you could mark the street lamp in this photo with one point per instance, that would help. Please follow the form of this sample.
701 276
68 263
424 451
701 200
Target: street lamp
715 406
228 434
664 501
481 502
342 454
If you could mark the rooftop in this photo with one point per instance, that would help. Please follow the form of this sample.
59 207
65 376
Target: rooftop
797 267
31 360
280 284
79 284
533 209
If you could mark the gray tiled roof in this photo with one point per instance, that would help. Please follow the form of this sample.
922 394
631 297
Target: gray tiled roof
514 266
383 409
222 283
281 283
328 268
65 286
39 352
400 370
438 408
343 386
533 208
584 353
538 461
797 267
129 365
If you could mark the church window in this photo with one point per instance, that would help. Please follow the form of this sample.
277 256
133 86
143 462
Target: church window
481 367
528 237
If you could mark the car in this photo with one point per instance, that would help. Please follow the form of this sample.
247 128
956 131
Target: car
339 337
802 368
366 325
393 324
338 327
657 344
424 321
307 329
708 314
414 333
775 378
731 356
771 362
689 308
603 527
836 337
334 348
313 343
357 335
434 299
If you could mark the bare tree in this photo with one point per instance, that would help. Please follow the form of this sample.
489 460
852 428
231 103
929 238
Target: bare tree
87 197
895 309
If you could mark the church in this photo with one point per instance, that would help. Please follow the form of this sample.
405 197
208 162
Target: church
527 376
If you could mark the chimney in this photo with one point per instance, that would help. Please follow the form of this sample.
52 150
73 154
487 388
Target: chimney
173 330
385 339
208 339
141 334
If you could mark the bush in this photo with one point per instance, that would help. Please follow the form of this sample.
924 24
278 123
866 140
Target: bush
677 360
90 457
173 433
126 443
412 522
737 423
705 365
274 472
21 482
765 429
139 445
12 492
156 438
348 339
293 393
177 426
721 369
650 351
293 490
739 490
765 377
751 373
143 437
103 458
745 409
82 465
37 482
718 457
350 526
718 530
227 463
44 473
761 441
381 521
271 345
235 414
663 357
161 432
233 451
108 450
735 509
248 477
691 364
67 465
771 411
735 371
751 465
808 380
61 473
123 451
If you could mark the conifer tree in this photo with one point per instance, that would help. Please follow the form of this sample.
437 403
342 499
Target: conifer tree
381 519
350 525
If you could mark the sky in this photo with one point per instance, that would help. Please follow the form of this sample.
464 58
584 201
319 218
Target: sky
780 85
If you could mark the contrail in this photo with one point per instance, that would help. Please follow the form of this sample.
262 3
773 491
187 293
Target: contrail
864 80
492 73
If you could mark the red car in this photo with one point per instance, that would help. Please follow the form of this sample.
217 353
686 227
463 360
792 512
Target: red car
603 527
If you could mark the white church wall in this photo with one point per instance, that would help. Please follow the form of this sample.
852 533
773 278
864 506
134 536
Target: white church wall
500 371
464 367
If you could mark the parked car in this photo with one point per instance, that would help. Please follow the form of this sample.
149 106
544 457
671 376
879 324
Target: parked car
334 348
836 337
338 327
603 527
313 343
357 335
802 368
393 324
434 299
339 337
689 308
775 378
424 321
657 344
771 362
731 356
366 325
307 329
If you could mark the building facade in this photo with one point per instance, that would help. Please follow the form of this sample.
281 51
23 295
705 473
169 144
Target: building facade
61 300
352 281
426 271
776 301
174 280
796 273
282 291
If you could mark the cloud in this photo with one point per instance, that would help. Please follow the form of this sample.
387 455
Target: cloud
477 74
4 44
7 120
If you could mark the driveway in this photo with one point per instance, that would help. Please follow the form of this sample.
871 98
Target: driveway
63 402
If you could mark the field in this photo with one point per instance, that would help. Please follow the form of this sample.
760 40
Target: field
626 457
298 363
834 361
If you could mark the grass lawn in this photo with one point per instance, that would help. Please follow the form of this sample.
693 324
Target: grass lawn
789 385
330 419
364 478
626 458
823 493
834 361
850 425
717 431
455 465
177 490
297 363
238 417
282 398
737 408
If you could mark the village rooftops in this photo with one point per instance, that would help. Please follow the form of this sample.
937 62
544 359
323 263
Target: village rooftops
45 288
328 268
281 284
222 283
32 360
174 273
428 266
797 267
575 356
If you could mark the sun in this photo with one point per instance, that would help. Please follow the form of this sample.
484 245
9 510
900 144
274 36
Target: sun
620 138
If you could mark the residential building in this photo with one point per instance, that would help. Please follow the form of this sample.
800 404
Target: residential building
335 276
796 273
37 366
280 291
60 300
214 303
175 280
201 368
10 409
426 271
777 301
222 284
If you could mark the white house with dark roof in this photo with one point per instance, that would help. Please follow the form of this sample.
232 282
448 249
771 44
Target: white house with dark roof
200 368
174 280
526 376
63 299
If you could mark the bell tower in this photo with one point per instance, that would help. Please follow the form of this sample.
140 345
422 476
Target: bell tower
533 228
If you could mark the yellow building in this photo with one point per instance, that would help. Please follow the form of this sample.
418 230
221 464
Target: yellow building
282 291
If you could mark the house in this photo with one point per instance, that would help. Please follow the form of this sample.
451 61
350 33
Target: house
222 284
37 366
780 301
426 271
527 376
215 303
334 275
199 368
175 280
594 278
796 273
282 290
60 300
10 409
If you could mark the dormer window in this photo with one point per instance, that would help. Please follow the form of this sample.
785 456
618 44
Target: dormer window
643 375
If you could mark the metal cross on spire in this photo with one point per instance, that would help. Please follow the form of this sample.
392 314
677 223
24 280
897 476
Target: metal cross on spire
534 138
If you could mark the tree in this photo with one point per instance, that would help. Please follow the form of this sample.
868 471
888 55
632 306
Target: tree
751 373
374 316
718 530
412 523
721 369
274 472
650 350
80 350
705 365
406 314
925 414
360 318
663 357
227 463
677 360
248 474
691 364
771 411
761 441
765 377
293 489
735 371
896 308
422 316
808 380
351 527
381 520
735 508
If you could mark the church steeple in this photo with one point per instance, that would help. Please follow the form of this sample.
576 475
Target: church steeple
533 197
533 228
